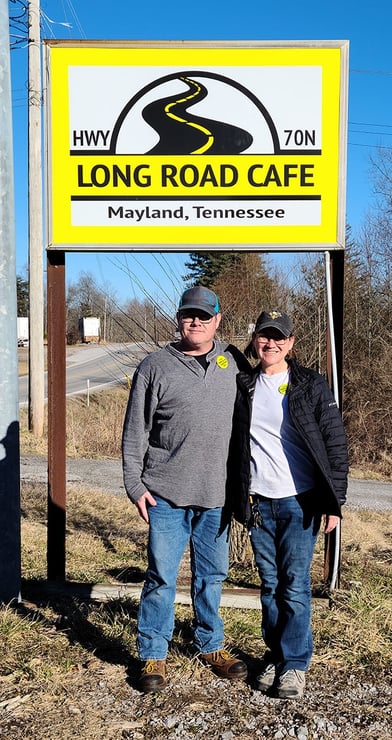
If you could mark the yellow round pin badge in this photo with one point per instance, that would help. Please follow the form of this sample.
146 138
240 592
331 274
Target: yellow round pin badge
283 389
222 361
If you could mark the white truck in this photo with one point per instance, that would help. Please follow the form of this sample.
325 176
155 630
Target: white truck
22 324
90 329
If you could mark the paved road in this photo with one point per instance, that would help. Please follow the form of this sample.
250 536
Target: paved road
93 367
106 475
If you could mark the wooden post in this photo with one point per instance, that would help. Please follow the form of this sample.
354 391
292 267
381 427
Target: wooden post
36 276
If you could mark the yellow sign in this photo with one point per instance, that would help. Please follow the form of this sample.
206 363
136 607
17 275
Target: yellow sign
185 146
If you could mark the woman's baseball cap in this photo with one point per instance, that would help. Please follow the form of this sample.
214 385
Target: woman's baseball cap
274 320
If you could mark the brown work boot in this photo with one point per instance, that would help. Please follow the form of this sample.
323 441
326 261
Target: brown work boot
226 665
153 676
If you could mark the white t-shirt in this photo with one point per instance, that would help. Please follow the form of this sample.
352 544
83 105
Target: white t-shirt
280 463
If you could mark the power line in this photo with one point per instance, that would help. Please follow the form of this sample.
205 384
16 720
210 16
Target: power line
372 133
361 123
371 71
75 16
369 146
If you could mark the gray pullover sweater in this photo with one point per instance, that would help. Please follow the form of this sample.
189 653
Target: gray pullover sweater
178 424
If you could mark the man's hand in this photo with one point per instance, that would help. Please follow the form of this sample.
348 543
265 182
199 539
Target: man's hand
331 522
142 502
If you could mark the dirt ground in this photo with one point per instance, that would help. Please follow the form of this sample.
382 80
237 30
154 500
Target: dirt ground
99 700
96 698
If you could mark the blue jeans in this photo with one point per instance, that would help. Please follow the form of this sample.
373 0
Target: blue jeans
171 528
283 547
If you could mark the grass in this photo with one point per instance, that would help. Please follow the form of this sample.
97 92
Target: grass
56 650
106 542
67 664
92 431
63 659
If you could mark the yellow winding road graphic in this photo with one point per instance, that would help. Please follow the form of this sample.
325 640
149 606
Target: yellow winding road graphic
208 134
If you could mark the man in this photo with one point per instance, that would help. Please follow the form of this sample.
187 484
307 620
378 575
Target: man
175 445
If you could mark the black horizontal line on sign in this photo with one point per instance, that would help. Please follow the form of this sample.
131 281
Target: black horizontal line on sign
179 199
107 152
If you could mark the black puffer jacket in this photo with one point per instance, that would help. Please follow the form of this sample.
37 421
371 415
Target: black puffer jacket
315 414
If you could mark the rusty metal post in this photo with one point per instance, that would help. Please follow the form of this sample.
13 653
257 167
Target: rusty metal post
56 417
332 541
337 280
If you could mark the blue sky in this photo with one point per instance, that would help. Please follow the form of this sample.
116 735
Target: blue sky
366 25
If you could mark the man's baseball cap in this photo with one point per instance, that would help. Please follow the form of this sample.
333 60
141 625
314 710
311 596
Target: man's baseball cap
199 297
274 320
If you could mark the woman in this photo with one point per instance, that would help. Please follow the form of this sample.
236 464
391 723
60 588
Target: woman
292 469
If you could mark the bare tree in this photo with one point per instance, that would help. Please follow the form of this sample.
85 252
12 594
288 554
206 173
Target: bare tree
244 289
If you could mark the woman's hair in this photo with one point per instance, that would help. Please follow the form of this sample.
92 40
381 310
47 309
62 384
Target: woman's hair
250 351
291 355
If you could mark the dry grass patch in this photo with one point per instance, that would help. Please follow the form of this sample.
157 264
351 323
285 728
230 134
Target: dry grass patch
92 431
105 537
357 630
68 666
95 431
106 542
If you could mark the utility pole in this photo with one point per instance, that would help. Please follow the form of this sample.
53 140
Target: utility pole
9 406
36 288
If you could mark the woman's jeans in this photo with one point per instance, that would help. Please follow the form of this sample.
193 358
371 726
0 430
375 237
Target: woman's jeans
283 545
171 528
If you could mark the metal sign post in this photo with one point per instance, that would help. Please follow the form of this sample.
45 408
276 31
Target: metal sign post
186 146
56 416
334 264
